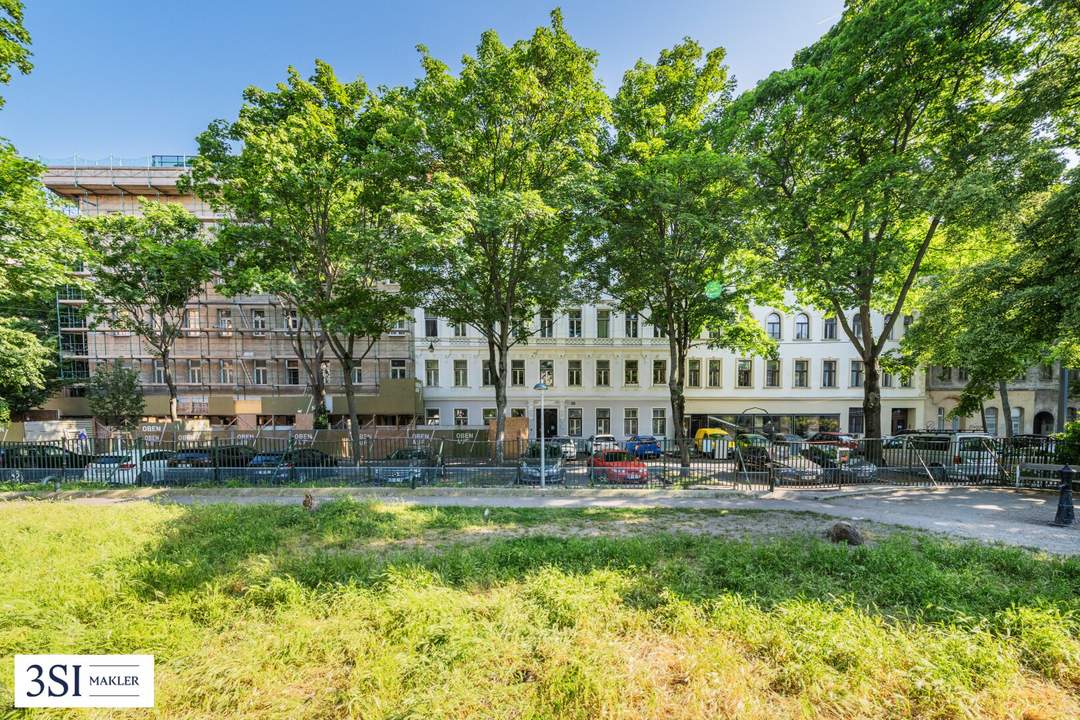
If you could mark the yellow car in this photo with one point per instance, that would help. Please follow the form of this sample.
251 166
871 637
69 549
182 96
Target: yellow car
705 438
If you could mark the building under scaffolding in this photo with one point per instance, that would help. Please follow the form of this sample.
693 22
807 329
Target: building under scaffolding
236 362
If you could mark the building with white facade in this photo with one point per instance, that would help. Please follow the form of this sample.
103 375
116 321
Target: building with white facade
608 372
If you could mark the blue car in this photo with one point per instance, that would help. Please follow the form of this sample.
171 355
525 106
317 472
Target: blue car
643 446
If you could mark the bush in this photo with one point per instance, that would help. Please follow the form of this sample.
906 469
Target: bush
1068 444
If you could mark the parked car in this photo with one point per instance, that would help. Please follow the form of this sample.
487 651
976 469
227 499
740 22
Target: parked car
298 465
834 438
40 463
837 464
416 464
965 456
529 470
618 466
706 439
744 440
567 447
228 456
643 446
787 444
137 466
602 442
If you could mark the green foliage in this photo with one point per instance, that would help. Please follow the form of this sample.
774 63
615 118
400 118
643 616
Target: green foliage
507 143
146 268
1068 445
353 600
24 365
874 145
115 395
14 42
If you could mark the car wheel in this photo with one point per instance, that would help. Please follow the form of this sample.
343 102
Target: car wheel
14 476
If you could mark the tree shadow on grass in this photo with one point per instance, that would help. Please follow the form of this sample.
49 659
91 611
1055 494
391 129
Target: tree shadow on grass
908 576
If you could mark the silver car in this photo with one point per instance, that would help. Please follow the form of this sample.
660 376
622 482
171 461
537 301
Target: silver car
567 446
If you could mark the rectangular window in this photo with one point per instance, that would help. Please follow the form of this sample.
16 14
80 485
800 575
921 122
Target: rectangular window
658 331
828 373
856 325
1046 372
828 329
159 373
630 421
716 372
962 374
744 373
517 412
603 373
461 416
659 372
292 320
431 373
573 373
292 372
431 416
659 422
357 375
547 325
517 373
192 319
603 323
485 373
460 330
573 422
547 372
603 421
431 329
224 319
194 372
945 374
802 326
630 372
802 374
856 421
905 381
772 373
856 373
693 373
487 415
258 320
461 373
574 321
260 373
226 375
886 380
397 370
631 325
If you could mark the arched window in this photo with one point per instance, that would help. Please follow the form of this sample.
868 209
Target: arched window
856 326
772 326
802 327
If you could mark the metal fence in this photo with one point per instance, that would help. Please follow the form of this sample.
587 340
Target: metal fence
741 462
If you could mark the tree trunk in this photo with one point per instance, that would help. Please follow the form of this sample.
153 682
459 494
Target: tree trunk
1006 409
313 363
171 384
982 414
872 408
676 385
347 365
497 366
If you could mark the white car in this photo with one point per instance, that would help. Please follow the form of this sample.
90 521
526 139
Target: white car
599 443
567 446
131 467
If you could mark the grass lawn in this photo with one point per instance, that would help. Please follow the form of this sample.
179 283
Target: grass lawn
379 611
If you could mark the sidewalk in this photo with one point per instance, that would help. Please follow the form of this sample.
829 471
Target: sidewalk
1014 517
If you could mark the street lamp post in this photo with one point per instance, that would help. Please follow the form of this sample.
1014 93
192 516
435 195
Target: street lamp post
541 387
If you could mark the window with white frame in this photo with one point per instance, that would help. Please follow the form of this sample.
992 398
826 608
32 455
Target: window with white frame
461 373
431 373
659 372
431 329
226 373
517 373
292 372
398 370
159 372
573 373
716 372
856 373
258 320
260 374
856 325
828 373
630 421
772 373
744 373
573 422
547 372
603 421
357 375
574 323
461 416
693 372
603 323
802 326
659 422
828 329
194 372
630 325
992 420
291 319
485 373
431 416
772 326
487 415
801 378
460 330
547 324
630 372
224 319
192 319
603 373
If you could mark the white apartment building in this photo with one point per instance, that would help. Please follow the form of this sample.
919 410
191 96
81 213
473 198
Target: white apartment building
608 370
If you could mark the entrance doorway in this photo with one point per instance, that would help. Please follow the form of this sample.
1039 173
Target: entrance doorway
1043 423
550 423
900 420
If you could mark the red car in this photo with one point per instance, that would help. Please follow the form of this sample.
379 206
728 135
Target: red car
618 466
839 439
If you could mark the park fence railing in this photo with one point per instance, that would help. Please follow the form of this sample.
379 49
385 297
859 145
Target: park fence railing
749 461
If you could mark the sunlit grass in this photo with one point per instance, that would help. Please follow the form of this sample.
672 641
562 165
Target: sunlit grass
269 611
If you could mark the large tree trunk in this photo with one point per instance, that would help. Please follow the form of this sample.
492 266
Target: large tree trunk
1006 409
871 397
497 366
677 351
170 382
313 364
347 365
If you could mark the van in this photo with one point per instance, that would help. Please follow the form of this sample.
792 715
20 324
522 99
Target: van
708 440
963 456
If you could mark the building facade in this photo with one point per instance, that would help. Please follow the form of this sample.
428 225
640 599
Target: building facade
607 372
236 362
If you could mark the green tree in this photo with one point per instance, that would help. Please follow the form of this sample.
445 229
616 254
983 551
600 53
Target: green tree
507 140
14 42
671 243
875 146
24 365
115 394
146 268
308 198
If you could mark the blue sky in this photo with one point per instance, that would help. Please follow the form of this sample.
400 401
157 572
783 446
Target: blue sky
136 78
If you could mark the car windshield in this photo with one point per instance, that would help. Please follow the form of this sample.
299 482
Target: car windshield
552 451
